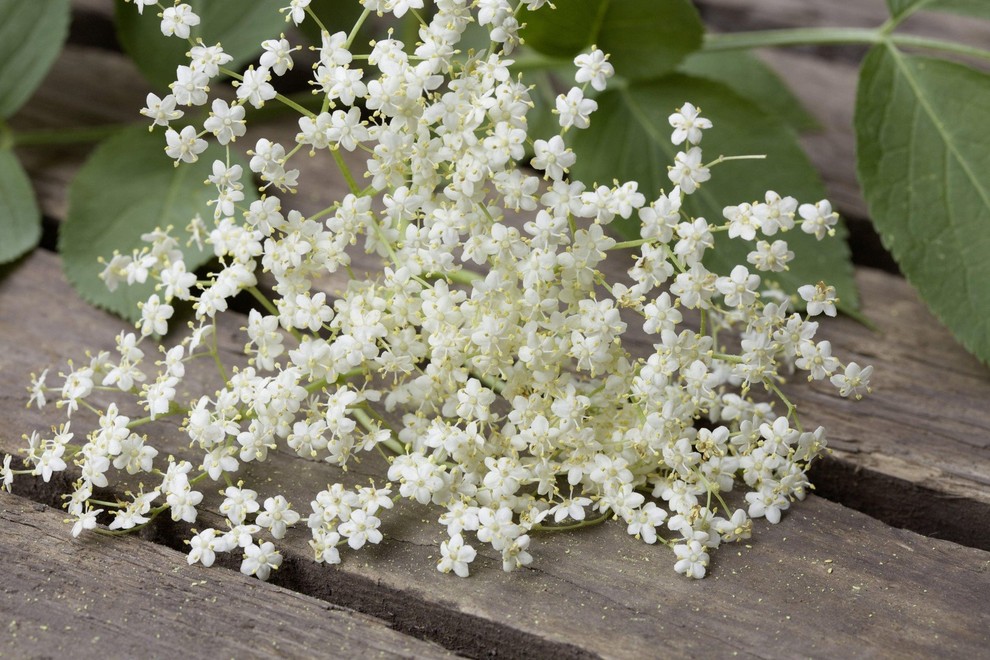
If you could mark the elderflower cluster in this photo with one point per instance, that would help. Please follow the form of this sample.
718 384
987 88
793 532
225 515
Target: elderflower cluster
489 360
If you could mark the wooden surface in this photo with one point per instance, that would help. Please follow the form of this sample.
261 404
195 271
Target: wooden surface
886 586
122 597
827 581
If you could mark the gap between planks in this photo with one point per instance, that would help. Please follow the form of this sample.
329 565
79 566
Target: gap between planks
773 598
105 597
923 446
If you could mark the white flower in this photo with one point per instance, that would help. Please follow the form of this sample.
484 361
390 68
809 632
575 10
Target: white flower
553 157
6 474
692 560
277 55
687 171
820 298
818 219
154 316
593 67
85 520
688 124
277 516
184 146
767 502
854 381
202 548
190 87
296 11
575 110
361 528
254 87
225 122
238 503
161 110
177 20
141 4
455 556
261 560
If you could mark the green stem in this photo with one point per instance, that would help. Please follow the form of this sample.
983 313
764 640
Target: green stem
834 36
463 276
357 27
285 100
915 41
630 244
346 171
58 136
364 419
564 528
791 37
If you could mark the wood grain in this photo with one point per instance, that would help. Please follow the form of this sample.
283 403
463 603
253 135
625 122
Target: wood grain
599 592
118 597
938 460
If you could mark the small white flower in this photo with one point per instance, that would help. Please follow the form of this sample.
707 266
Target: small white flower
184 146
261 560
854 381
455 556
687 171
593 67
277 516
692 560
177 20
688 124
818 219
575 110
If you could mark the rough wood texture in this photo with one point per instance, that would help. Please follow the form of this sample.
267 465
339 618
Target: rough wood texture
932 459
113 597
826 582
599 591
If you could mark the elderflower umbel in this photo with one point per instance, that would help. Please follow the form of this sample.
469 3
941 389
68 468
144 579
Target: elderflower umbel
487 359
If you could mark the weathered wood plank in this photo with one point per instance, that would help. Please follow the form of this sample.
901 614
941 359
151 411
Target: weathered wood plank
599 591
940 455
99 596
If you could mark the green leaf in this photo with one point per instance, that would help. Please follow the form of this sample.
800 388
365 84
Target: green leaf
31 36
126 188
901 9
749 77
924 164
20 219
644 38
634 144
240 26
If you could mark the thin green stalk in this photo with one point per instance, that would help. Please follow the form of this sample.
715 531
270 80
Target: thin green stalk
791 37
835 36
285 100
915 41
564 528
364 419
346 171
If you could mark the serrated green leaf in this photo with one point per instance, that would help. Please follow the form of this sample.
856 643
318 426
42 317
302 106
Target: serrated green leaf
749 77
31 36
20 219
126 188
240 26
634 144
923 158
903 8
644 38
